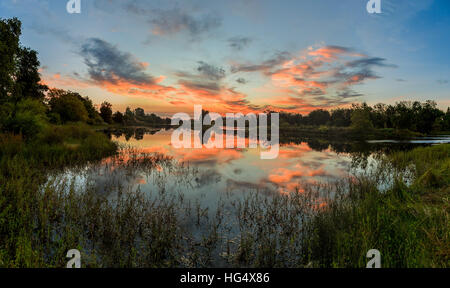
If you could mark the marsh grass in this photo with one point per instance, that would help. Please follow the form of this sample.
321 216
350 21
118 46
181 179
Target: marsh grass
116 224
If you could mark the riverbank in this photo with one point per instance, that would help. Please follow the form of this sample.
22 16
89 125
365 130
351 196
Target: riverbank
409 225
346 133
24 168
326 225
294 132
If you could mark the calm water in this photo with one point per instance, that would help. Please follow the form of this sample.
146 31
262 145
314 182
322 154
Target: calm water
215 181
212 174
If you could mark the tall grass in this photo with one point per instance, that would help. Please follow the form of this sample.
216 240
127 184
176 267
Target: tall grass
43 214
409 225
23 169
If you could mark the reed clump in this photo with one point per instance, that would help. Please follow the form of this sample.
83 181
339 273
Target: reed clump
117 222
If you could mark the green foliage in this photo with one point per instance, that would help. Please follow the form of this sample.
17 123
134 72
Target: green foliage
341 117
25 213
319 117
418 117
10 31
408 224
138 117
106 112
68 106
27 118
118 118
93 115
27 77
361 120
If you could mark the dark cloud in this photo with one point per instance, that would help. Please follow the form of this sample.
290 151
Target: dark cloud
210 71
442 82
239 43
174 20
348 93
106 63
164 22
241 81
167 22
357 71
266 65
207 77
368 62
59 33
355 76
321 77
206 84
212 87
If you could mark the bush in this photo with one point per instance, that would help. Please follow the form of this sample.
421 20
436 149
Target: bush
68 106
29 118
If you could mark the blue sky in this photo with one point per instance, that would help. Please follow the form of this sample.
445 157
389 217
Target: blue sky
241 55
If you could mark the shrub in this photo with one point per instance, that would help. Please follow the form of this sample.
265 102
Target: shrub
68 106
29 118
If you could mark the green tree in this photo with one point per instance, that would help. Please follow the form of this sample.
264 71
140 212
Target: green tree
67 105
361 120
319 117
27 77
140 113
379 116
129 116
404 116
10 31
118 118
106 112
341 117
29 118
93 115
429 117
447 120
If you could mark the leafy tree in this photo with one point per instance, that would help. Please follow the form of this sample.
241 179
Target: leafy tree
10 31
21 94
319 117
427 116
93 115
403 117
361 120
67 105
27 77
341 117
118 118
106 112
29 118
139 112
379 116
447 120
129 116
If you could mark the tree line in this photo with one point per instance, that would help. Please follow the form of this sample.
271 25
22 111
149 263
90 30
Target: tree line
406 115
27 106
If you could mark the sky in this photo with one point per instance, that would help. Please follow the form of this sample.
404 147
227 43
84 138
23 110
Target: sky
241 55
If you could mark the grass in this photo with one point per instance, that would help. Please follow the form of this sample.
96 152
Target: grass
44 214
23 169
409 225
331 132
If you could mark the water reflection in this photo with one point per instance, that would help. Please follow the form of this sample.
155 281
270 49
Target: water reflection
301 161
